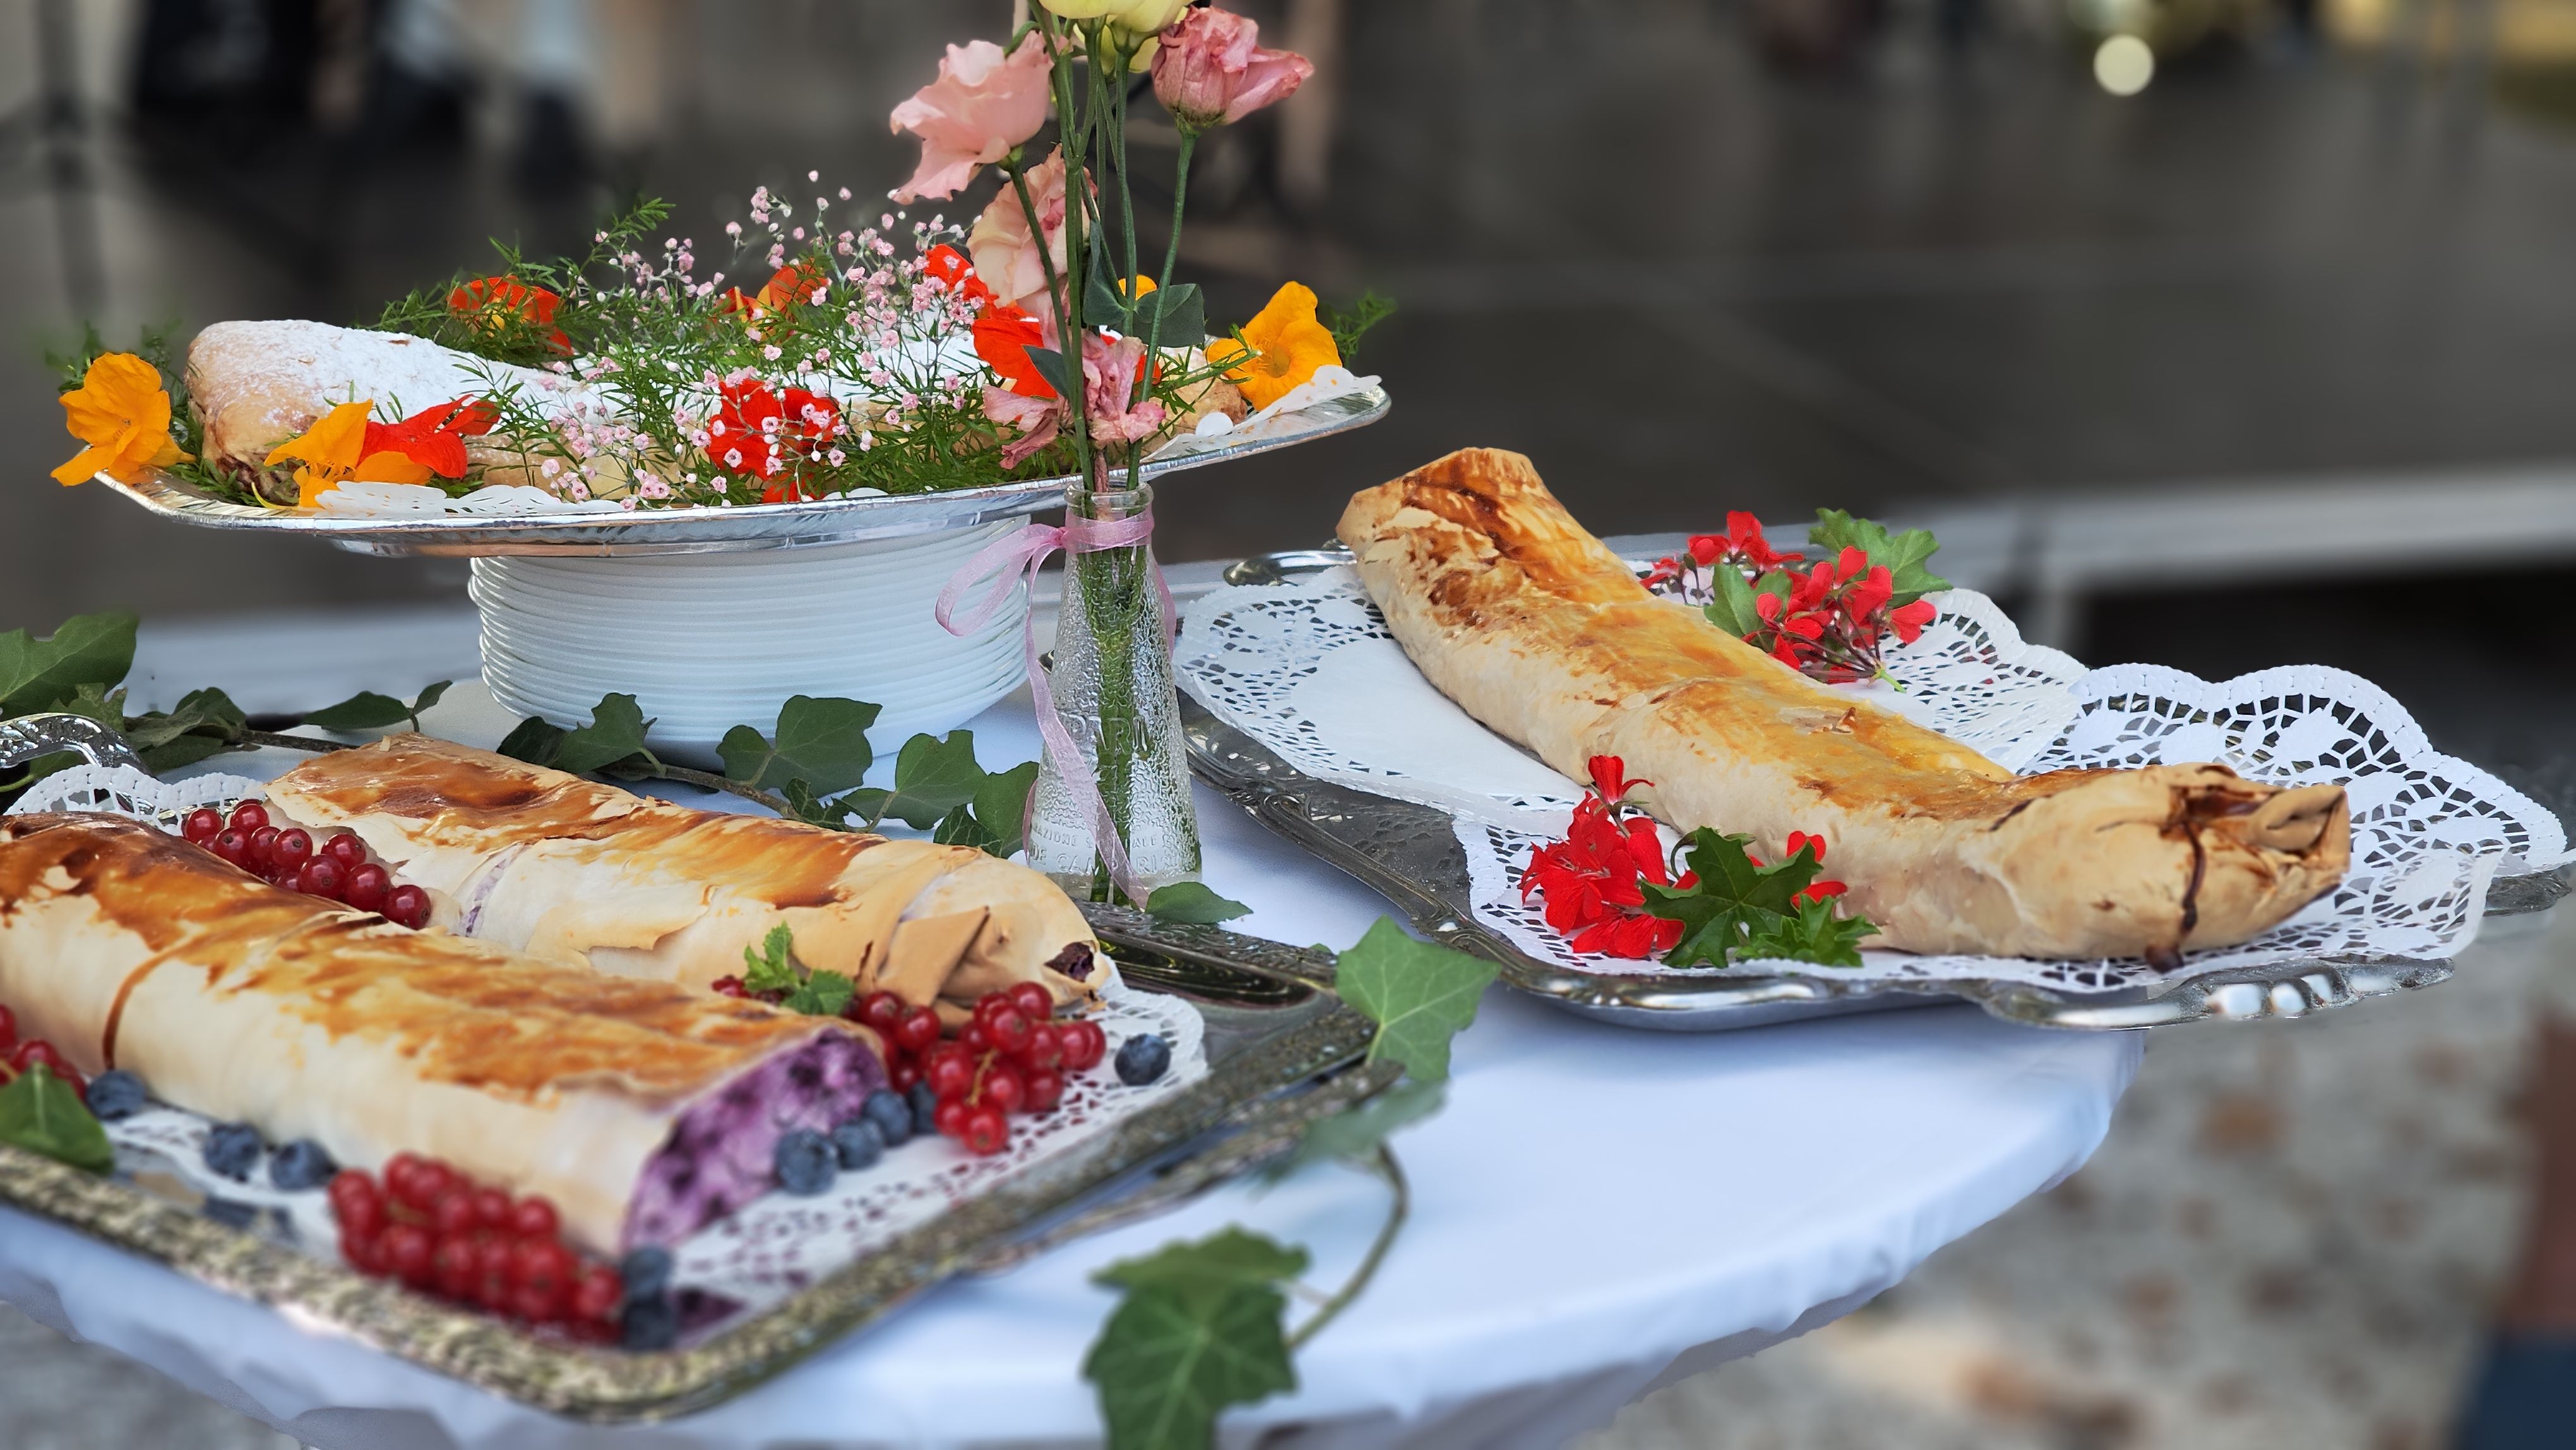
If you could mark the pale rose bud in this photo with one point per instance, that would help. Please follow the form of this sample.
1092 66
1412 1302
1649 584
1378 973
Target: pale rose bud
1211 70
983 104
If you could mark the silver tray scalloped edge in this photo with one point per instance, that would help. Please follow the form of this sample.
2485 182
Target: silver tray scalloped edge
727 530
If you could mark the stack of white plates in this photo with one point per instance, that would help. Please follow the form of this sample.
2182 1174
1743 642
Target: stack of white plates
705 642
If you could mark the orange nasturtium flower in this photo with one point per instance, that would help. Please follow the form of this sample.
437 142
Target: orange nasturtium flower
123 413
349 444
1287 345
490 299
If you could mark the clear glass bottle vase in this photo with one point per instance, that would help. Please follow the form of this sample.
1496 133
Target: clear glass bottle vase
1111 675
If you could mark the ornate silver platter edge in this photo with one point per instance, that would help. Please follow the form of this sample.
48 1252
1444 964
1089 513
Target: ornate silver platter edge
729 530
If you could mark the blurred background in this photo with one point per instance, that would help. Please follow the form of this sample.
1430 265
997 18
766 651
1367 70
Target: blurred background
2218 333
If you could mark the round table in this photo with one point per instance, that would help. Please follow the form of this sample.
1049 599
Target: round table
1596 1212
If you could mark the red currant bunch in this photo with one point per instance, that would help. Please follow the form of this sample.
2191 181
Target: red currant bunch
1008 1056
438 1231
337 869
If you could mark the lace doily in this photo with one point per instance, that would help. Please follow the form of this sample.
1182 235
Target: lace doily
1309 670
770 1250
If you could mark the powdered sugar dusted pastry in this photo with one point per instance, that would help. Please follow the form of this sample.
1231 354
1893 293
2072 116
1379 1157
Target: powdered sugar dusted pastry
554 864
1511 609
644 1110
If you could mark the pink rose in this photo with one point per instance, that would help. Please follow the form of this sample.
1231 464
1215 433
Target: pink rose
1006 257
983 104
1211 70
1108 381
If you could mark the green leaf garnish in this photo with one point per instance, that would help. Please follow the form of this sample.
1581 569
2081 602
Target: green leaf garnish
822 741
1200 1329
1903 554
536 740
1419 995
1352 1136
41 674
1002 807
821 994
615 733
1736 903
767 968
1815 934
933 777
1192 903
40 1113
365 710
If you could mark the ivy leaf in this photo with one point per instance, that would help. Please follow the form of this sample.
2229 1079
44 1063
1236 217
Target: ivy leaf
832 814
40 1113
615 732
182 750
536 740
365 710
823 994
961 828
1732 899
933 777
767 968
39 674
97 702
430 694
1903 554
1002 807
1190 902
1814 934
1200 1328
1354 1135
1419 995
821 741
1183 312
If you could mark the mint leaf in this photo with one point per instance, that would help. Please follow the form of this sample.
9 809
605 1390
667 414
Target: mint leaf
823 994
1815 934
365 710
1419 995
1200 1328
1354 1135
40 674
1190 902
933 777
615 732
1732 899
1903 554
535 740
40 1113
767 968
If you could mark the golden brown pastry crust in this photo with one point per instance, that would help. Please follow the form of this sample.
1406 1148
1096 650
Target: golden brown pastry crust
1533 627
551 863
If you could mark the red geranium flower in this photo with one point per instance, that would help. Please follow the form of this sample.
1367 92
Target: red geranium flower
1588 884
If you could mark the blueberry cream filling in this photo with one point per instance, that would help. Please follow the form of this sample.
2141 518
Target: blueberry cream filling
721 1153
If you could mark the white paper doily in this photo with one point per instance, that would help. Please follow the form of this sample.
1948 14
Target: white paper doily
1308 669
768 1251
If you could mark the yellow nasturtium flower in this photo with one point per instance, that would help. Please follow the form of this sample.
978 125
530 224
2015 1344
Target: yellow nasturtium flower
333 451
1287 345
123 413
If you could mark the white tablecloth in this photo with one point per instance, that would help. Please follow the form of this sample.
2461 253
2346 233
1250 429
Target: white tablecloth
1596 1211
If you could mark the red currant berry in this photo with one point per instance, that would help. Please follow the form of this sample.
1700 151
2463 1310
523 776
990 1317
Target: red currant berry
1084 1045
263 848
1033 1000
407 906
949 1074
35 1052
992 1002
1045 1089
8 1029
363 1252
492 1257
1046 1047
492 1210
454 1264
356 1202
537 1305
902 1073
986 1131
345 848
883 1011
398 1171
367 887
596 1295
420 1189
1009 1031
407 1249
919 1030
202 825
293 847
950 1118
250 817
541 1264
535 1218
976 1039
321 877
453 1217
1004 1088
232 846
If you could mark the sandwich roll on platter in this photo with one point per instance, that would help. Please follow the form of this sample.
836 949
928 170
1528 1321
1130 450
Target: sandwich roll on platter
1511 609
642 1109
558 866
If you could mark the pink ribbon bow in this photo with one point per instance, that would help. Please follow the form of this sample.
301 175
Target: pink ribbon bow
1014 560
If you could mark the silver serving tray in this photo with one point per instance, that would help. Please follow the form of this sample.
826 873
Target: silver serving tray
1282 1052
1410 854
726 530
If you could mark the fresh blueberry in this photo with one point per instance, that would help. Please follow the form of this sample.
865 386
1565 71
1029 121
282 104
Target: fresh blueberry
231 1213
650 1323
1142 1058
806 1161
646 1273
114 1095
300 1165
925 1110
859 1143
233 1149
891 1114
